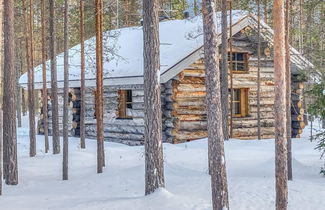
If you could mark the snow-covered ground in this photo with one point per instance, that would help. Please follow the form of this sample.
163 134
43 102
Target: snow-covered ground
250 166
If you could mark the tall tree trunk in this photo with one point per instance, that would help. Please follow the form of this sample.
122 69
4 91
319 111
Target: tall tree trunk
45 103
19 72
66 93
288 88
9 96
154 163
281 168
224 70
231 72
1 114
82 86
54 85
99 86
259 71
213 99
1 132
31 91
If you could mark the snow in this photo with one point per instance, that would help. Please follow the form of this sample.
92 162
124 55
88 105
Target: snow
124 50
250 168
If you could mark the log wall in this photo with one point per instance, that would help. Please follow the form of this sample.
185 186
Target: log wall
183 104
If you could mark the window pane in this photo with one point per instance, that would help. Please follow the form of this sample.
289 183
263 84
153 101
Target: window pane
236 108
239 57
129 99
236 95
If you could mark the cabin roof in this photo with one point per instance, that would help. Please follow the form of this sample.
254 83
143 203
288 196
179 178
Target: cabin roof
181 44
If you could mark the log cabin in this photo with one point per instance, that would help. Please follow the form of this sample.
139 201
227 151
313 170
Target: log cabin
182 83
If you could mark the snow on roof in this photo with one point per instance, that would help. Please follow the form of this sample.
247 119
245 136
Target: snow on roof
123 62
178 39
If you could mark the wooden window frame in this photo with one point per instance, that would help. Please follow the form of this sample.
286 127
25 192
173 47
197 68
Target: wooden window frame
243 102
123 103
245 62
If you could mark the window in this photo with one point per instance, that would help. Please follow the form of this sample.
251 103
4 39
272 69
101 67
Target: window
240 102
239 62
125 104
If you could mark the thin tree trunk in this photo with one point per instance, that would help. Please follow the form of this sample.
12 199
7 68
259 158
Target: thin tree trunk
231 71
23 102
82 86
9 96
215 128
99 86
45 103
281 168
19 72
31 91
259 71
288 89
1 131
154 163
54 85
224 70
65 122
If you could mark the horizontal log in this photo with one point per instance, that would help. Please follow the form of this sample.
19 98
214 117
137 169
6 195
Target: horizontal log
247 132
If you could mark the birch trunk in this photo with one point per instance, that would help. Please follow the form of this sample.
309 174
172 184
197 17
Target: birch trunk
9 96
154 166
65 122
54 81
281 168
213 100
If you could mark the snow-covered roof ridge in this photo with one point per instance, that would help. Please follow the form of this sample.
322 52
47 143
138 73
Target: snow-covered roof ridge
181 42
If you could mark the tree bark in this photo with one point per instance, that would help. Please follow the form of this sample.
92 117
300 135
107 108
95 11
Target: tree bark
82 74
65 122
31 91
224 70
231 73
99 86
259 71
154 163
288 88
281 169
54 81
1 130
9 96
44 92
215 128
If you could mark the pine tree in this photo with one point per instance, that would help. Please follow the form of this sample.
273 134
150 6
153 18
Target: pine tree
82 75
1 131
31 91
1 114
44 92
213 98
288 89
259 70
99 86
9 96
154 168
281 169
54 85
66 93
224 69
